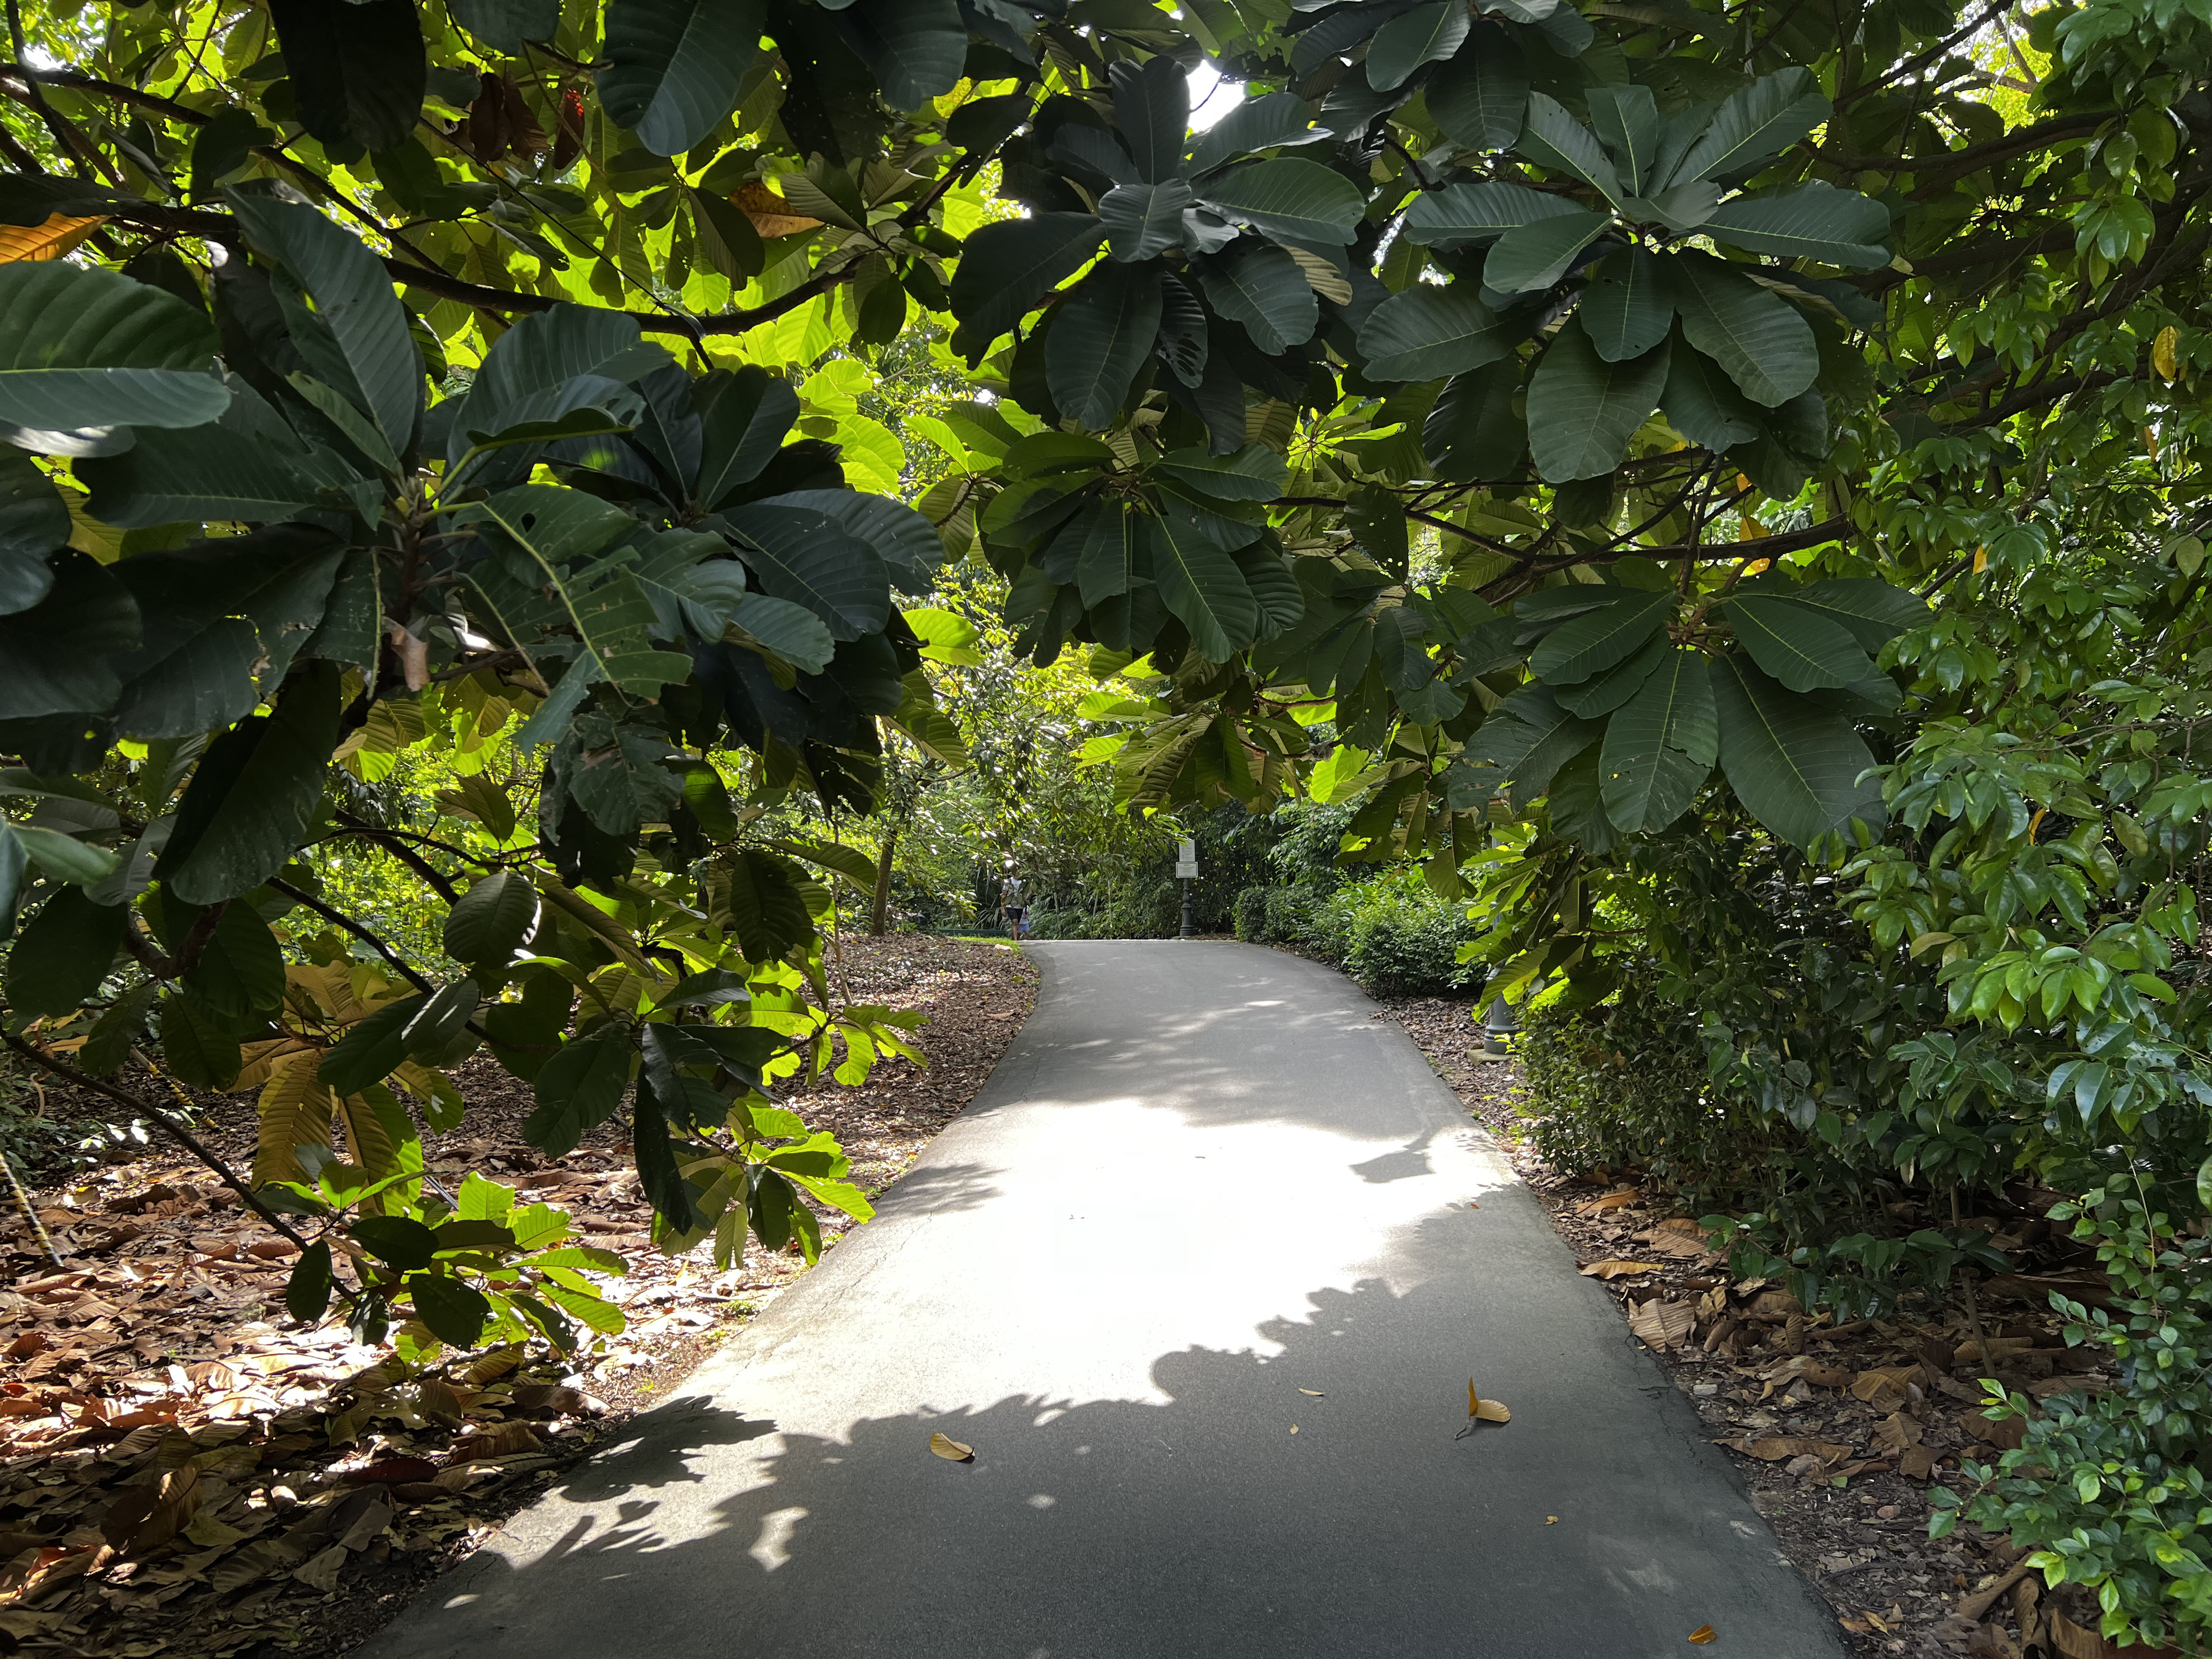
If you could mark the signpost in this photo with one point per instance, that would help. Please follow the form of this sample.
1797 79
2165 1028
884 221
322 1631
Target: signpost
1186 873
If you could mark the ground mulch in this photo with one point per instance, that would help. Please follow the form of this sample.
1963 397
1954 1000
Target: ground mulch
185 1470
1838 1431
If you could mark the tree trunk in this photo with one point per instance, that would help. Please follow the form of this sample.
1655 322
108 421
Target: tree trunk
879 919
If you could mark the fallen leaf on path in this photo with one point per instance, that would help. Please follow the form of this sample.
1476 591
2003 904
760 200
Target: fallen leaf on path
1663 1324
1897 1431
1294 1428
1917 1463
1774 1448
1550 1520
1315 1393
1701 1637
1617 1269
1485 1411
1613 1200
946 1447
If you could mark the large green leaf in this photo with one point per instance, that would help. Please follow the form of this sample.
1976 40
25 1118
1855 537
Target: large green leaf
1459 215
375 361
1628 122
1481 97
766 906
906 542
504 25
241 973
742 417
1299 200
1099 340
1761 339
674 67
1426 34
1552 138
791 631
1702 403
1473 431
58 657
85 347
1536 256
803 555
212 473
579 1088
1595 642
488 924
916 47
34 522
1254 473
1199 582
357 71
252 793
63 954
1144 220
1603 693
1796 766
1006 269
1582 410
1772 113
1428 331
1660 745
1109 543
1280 118
1872 612
1151 106
1626 311
1528 739
1812 222
1800 648
1261 287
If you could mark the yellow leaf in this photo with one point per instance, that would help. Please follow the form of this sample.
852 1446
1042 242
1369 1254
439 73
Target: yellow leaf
1550 1520
295 1111
1294 1428
1702 1636
1981 560
1492 1411
946 1447
1315 1393
1473 1403
59 233
2162 357
771 214
1617 1269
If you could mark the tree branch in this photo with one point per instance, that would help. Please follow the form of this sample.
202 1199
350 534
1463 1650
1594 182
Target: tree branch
340 919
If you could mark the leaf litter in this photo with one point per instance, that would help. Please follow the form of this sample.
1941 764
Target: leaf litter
184 1470
1839 1428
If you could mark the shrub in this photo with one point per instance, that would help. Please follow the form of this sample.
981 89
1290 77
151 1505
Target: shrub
1402 941
1290 913
1252 915
1624 1086
2108 1489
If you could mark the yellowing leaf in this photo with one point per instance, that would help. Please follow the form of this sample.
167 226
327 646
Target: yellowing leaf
1473 1404
1294 1428
1315 1393
1661 1324
2162 357
1492 1411
1702 1636
59 233
1550 1520
946 1447
771 214
1613 1200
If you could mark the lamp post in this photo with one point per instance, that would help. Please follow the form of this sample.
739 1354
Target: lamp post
1186 873
1498 1025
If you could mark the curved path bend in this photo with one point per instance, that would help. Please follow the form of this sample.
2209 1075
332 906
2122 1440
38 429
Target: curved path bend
1209 1194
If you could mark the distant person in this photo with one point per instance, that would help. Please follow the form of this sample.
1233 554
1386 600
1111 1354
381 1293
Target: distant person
1011 910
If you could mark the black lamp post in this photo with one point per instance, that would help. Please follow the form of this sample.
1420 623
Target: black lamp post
1186 873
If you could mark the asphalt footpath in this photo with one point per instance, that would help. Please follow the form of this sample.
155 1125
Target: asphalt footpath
1201 1276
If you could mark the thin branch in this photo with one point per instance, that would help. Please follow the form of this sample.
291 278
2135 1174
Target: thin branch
169 1125
407 855
339 918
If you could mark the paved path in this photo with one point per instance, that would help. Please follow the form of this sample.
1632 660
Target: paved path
1205 1179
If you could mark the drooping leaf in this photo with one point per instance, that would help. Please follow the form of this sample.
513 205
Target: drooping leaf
488 923
675 67
1473 431
1144 220
1595 641
1624 310
1813 221
1536 256
358 71
251 796
1257 124
766 907
1263 288
914 47
1426 34
803 555
578 1088
504 25
1761 339
1552 138
1007 268
1481 96
1582 410
1288 196
33 523
1254 473
84 348
1794 765
1702 403
455 1312
375 362
1462 215
1800 648
1528 739
1099 340
1872 612
1660 745
1428 331
742 417
1199 582
58 656
1151 106
1628 122
1772 113
62 953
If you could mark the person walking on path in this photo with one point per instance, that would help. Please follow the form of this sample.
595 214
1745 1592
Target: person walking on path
1011 911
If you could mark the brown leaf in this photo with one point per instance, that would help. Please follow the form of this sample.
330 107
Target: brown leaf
2006 1434
1491 1411
1661 1324
1613 1200
1774 1448
367 1524
1897 1431
771 214
391 1471
1617 1269
1997 1347
505 1441
946 1447
1701 1636
1885 1387
146 1517
491 1366
321 1573
1773 1307
1917 1462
